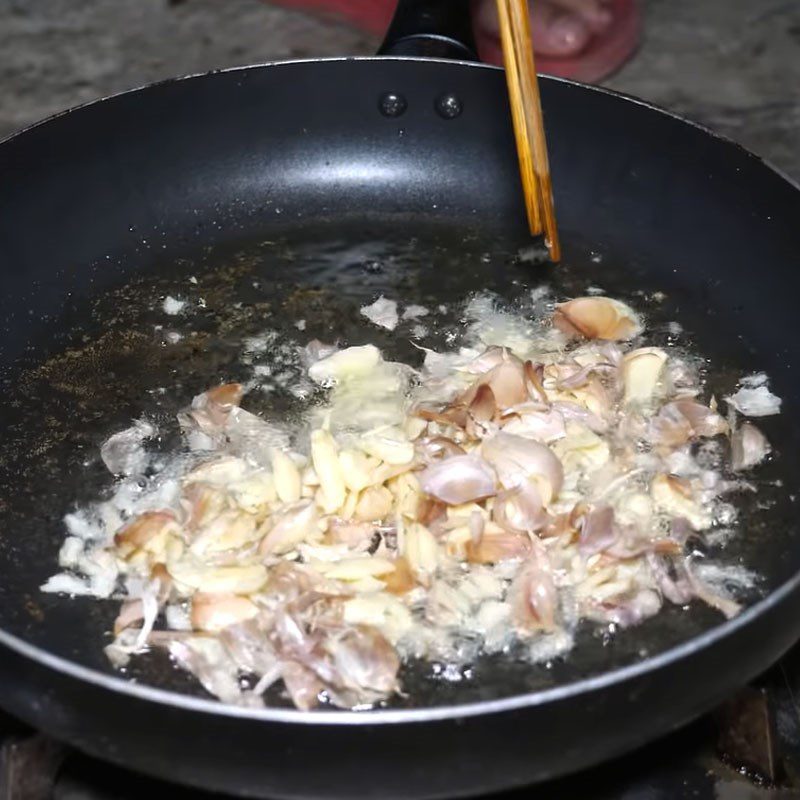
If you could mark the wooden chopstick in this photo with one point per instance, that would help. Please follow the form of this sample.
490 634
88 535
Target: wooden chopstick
526 113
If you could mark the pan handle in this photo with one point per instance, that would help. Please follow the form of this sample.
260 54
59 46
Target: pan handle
431 29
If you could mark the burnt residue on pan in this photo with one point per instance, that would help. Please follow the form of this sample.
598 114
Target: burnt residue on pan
109 362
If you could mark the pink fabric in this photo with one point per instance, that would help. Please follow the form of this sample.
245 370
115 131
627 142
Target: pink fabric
605 53
372 16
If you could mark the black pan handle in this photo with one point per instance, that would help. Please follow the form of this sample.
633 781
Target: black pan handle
431 29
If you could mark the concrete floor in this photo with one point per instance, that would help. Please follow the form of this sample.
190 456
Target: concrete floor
732 64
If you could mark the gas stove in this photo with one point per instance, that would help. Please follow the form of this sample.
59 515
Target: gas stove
747 749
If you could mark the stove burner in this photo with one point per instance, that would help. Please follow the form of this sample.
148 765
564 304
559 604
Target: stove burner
28 767
747 738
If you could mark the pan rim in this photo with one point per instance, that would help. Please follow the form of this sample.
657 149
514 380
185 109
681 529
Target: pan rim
401 59
543 697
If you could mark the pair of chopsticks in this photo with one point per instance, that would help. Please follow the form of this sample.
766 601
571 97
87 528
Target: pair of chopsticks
526 113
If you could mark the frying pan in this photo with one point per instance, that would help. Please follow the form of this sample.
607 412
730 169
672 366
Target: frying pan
303 190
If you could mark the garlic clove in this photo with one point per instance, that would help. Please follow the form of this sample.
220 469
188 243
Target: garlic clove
288 528
348 509
383 611
219 580
357 469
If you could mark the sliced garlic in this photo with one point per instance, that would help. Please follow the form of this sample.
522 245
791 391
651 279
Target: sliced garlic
407 491
483 584
493 615
447 605
349 506
219 580
389 445
354 569
309 477
674 495
344 364
325 457
641 372
366 585
323 552
421 550
230 530
255 493
357 469
381 610
286 476
374 503
219 472
174 550
203 502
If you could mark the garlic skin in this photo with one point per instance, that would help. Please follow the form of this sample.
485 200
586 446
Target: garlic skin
755 401
749 447
382 313
458 480
597 318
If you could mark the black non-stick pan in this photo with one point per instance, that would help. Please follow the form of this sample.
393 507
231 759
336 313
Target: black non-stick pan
302 190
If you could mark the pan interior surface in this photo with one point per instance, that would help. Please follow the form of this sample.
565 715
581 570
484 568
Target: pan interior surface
118 356
286 195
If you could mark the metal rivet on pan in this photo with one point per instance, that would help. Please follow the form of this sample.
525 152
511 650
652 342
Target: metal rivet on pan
392 104
448 105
